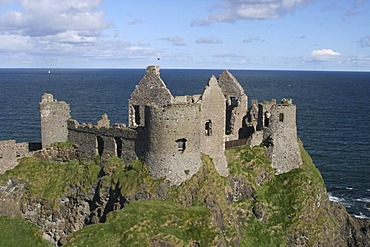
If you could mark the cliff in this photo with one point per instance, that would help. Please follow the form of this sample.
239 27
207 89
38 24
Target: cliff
117 204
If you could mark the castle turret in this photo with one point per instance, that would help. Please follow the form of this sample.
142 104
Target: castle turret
54 115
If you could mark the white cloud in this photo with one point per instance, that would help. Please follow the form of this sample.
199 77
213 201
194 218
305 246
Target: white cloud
175 40
208 40
49 30
15 43
234 10
322 55
47 17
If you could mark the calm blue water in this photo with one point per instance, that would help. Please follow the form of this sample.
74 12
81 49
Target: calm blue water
332 111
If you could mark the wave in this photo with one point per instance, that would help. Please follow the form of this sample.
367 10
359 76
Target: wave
367 200
360 216
334 198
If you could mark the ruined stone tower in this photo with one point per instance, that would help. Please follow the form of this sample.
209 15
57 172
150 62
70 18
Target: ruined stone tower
54 116
281 137
173 141
151 89
236 105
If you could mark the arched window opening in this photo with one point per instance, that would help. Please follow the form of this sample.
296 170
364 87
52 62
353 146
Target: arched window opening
208 128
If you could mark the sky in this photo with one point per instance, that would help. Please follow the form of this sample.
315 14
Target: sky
200 34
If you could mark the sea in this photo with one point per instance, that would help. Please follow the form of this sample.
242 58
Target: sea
332 111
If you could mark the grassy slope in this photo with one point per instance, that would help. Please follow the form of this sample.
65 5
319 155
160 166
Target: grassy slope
20 233
50 180
146 221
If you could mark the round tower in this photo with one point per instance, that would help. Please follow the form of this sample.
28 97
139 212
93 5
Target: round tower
173 141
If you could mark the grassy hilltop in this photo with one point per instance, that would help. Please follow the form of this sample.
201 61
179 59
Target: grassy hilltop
251 207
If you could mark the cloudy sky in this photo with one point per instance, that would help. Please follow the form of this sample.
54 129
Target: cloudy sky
233 34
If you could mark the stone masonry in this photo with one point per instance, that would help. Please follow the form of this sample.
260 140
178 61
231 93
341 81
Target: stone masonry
169 133
10 152
54 116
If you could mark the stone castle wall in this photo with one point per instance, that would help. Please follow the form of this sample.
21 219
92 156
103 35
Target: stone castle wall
106 141
54 116
236 105
173 141
11 151
213 112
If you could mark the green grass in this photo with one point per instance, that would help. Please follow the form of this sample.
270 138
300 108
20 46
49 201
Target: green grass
130 179
252 163
146 221
50 180
16 232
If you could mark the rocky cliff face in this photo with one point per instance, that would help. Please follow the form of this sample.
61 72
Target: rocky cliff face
252 207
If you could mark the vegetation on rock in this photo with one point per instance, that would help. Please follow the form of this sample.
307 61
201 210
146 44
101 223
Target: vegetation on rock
251 207
146 222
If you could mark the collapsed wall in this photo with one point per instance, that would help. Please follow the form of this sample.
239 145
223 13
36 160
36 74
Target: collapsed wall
236 105
213 112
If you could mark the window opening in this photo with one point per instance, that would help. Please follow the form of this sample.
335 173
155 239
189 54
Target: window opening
281 117
208 128
137 114
267 118
233 101
100 145
181 144
118 141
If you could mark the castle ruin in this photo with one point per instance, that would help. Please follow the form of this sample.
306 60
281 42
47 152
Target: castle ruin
169 133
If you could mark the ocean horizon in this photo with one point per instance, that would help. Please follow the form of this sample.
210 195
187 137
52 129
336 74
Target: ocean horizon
332 111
